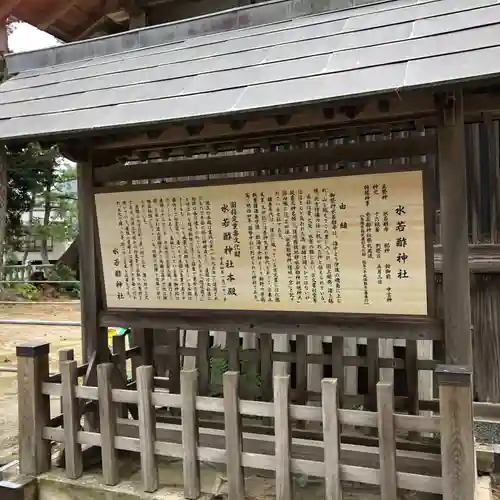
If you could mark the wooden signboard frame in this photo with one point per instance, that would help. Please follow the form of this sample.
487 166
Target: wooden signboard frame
346 324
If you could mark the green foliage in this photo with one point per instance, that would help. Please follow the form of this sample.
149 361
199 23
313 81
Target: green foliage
28 292
65 273
39 181
29 170
61 273
250 378
74 291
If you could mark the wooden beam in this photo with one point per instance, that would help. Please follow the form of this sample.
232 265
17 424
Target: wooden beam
132 7
455 238
400 327
55 14
4 45
414 146
94 338
404 108
7 8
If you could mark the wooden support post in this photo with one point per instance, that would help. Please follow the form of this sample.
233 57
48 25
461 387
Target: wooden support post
387 441
281 344
191 339
386 350
144 337
314 370
284 489
135 360
147 428
301 369
33 408
351 372
107 416
94 338
457 432
174 361
232 426
203 362
119 349
455 233
372 357
233 351
266 365
338 366
65 355
331 438
191 465
71 418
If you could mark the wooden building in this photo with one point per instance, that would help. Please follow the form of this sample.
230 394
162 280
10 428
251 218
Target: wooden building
274 93
58 95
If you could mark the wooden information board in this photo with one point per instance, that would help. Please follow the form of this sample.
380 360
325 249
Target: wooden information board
337 244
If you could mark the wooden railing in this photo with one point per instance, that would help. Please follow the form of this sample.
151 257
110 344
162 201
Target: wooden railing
128 421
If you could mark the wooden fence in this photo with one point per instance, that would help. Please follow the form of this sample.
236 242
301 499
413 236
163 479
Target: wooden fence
129 421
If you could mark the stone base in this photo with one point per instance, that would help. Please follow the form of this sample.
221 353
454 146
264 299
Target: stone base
21 488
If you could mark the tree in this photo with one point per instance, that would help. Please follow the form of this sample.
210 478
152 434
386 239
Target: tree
29 171
58 206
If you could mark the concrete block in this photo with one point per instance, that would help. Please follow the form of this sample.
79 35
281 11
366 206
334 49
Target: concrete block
21 488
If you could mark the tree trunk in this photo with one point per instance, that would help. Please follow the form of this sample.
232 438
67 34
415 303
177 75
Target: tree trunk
29 232
3 209
47 208
3 163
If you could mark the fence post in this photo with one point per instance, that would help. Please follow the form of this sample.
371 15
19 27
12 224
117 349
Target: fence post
190 466
284 490
232 419
33 408
147 428
457 431
107 418
65 355
387 441
331 438
71 419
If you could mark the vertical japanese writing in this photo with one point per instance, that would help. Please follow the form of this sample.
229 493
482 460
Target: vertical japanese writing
339 244
402 257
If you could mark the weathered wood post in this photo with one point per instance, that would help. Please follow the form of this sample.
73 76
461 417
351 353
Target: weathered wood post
191 465
71 416
33 408
457 432
455 230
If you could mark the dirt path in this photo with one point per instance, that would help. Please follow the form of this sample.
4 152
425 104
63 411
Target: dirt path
10 336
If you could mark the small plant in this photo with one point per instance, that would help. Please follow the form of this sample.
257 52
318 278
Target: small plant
74 291
250 379
28 292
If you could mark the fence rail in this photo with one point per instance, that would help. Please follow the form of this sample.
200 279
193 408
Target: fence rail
129 421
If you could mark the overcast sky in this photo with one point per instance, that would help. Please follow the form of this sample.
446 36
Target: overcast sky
26 37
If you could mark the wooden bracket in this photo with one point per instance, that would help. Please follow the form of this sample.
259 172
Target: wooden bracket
447 103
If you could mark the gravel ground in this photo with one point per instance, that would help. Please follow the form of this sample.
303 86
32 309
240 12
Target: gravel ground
12 335
488 433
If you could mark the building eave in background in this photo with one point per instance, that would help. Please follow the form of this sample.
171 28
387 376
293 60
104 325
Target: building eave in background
73 20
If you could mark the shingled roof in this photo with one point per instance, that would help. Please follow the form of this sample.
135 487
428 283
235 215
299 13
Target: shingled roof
390 46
